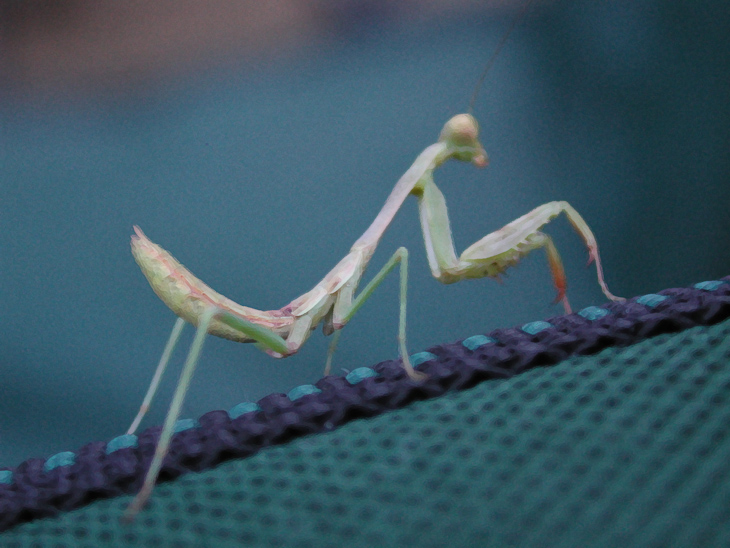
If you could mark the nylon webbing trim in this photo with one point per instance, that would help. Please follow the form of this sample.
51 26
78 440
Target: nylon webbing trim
40 488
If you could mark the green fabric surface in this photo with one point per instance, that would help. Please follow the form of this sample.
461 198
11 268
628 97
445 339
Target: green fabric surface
630 447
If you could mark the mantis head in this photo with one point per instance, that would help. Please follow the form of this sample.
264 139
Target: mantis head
461 135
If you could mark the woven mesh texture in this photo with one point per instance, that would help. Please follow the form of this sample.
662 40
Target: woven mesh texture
629 447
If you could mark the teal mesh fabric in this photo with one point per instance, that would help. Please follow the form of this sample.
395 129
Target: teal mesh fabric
629 447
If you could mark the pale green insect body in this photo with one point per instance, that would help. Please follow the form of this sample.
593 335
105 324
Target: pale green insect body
333 302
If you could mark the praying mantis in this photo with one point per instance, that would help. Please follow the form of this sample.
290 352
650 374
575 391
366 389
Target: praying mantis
333 302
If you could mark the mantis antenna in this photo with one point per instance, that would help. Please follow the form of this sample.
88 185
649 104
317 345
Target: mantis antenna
490 63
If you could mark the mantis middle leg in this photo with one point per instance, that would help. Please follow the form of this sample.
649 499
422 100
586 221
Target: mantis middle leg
495 252
345 310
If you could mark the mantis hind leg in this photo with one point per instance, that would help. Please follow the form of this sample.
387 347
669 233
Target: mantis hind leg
264 337
173 414
266 340
161 366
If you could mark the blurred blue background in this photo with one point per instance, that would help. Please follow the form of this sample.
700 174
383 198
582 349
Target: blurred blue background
257 147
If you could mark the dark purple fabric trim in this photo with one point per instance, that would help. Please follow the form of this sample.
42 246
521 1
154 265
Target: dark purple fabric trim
34 492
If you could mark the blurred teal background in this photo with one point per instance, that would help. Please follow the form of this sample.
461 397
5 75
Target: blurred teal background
258 169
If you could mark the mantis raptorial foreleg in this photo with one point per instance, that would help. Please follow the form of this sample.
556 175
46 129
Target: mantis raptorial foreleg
497 251
157 377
